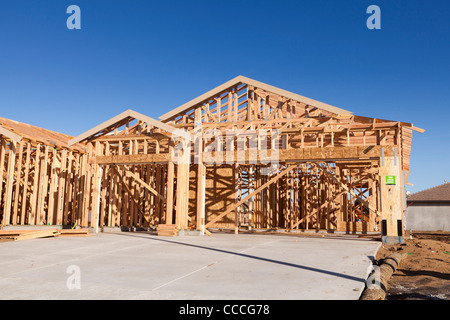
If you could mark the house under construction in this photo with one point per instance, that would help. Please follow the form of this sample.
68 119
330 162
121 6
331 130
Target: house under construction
243 155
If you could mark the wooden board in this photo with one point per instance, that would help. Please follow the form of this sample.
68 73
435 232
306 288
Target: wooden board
74 232
168 230
28 234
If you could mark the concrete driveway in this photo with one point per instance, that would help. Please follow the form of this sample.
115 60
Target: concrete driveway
222 266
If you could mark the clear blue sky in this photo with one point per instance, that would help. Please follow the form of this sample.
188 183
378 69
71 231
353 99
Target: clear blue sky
152 56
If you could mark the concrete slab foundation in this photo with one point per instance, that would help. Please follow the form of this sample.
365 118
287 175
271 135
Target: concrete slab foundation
141 265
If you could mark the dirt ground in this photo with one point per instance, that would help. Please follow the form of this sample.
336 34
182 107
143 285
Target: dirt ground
424 273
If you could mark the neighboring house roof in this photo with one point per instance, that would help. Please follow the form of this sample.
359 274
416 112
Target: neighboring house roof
242 79
438 193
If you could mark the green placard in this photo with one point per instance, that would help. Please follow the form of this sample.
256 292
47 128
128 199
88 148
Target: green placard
390 180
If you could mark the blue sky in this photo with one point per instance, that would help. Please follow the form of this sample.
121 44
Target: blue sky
152 56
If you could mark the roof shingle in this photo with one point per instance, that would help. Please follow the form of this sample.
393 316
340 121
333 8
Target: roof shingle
438 193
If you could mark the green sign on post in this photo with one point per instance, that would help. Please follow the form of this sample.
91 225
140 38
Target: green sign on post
390 180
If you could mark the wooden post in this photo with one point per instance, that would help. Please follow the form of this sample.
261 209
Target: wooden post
43 187
392 200
182 205
104 188
18 181
236 196
61 188
9 183
169 197
86 197
25 185
52 191
201 183
201 173
69 197
373 202
96 185
32 218
2 167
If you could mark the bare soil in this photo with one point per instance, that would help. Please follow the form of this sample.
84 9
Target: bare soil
424 272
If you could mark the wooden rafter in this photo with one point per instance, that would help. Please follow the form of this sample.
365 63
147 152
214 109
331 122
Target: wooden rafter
127 115
250 82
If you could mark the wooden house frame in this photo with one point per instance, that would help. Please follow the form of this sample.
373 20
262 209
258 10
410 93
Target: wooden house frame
40 175
330 172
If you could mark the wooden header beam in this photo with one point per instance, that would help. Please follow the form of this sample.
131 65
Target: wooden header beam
300 154
130 159
256 156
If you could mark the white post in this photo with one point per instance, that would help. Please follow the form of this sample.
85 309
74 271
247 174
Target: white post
203 201
99 199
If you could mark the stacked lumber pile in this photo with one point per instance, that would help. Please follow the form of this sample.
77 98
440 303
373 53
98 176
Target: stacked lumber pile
169 230
74 233
15 235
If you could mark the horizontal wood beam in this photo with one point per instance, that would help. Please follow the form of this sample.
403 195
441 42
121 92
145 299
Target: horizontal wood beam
130 159
300 154
258 156
135 137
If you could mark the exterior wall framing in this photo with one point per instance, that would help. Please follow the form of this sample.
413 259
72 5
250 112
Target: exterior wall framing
37 168
329 173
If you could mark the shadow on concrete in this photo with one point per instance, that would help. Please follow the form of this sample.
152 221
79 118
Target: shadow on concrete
348 277
305 234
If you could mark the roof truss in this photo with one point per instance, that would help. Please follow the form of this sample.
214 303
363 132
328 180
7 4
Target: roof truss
9 134
124 119
239 83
